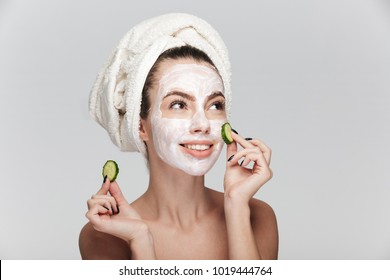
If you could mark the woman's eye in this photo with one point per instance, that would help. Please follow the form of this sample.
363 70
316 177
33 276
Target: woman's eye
177 105
218 105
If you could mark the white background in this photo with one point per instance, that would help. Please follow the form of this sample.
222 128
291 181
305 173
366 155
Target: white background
310 78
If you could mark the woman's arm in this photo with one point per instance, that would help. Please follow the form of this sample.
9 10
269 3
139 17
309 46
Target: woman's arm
252 230
96 245
241 239
251 224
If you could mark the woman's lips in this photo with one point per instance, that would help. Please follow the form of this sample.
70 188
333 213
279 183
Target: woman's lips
198 149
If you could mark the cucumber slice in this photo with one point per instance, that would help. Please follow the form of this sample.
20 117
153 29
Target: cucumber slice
226 131
110 169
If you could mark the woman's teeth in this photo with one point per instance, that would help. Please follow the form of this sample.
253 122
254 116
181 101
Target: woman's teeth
198 147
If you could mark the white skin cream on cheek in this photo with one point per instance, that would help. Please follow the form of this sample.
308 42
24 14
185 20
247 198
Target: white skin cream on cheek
168 133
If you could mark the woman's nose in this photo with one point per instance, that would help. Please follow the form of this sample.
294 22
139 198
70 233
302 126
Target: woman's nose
200 123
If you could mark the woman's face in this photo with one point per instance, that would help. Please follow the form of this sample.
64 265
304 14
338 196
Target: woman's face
187 112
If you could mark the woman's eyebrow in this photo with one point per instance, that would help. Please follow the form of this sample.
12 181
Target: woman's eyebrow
214 95
182 94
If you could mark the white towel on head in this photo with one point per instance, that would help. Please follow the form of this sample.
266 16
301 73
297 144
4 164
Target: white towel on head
115 99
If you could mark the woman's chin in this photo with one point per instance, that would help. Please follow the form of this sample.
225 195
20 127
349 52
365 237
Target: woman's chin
194 163
197 168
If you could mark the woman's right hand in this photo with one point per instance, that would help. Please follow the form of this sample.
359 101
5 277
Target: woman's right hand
109 212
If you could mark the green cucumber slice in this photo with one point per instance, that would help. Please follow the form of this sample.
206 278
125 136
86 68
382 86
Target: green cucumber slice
111 170
226 131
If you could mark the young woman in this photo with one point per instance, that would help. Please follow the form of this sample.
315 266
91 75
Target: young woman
182 110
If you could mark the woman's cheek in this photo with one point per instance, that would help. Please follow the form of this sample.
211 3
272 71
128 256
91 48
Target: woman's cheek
166 136
216 132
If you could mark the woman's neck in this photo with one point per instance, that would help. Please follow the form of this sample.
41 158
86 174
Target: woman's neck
176 197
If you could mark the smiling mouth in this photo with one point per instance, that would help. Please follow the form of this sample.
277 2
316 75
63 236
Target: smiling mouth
197 147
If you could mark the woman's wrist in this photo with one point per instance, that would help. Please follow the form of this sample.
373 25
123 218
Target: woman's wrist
142 245
236 199
237 208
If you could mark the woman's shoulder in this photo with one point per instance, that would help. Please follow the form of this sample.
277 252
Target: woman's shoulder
265 228
262 214
95 245
264 225
260 208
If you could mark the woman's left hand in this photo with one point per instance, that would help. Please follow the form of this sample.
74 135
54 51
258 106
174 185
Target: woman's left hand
241 182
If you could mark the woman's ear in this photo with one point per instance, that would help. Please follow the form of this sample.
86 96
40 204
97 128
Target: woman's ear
142 130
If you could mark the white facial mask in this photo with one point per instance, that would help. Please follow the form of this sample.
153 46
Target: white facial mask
198 81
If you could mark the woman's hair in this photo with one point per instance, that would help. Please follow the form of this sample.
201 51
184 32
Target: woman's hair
174 53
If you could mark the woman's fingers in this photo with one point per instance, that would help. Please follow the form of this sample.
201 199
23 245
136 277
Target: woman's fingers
110 198
255 155
244 153
117 194
115 199
105 187
240 140
231 150
263 148
104 200
95 212
250 143
248 158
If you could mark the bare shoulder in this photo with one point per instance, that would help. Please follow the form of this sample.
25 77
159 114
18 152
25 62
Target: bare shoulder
261 210
265 228
95 245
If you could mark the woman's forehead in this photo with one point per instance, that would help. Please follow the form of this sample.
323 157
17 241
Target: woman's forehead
166 64
190 76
